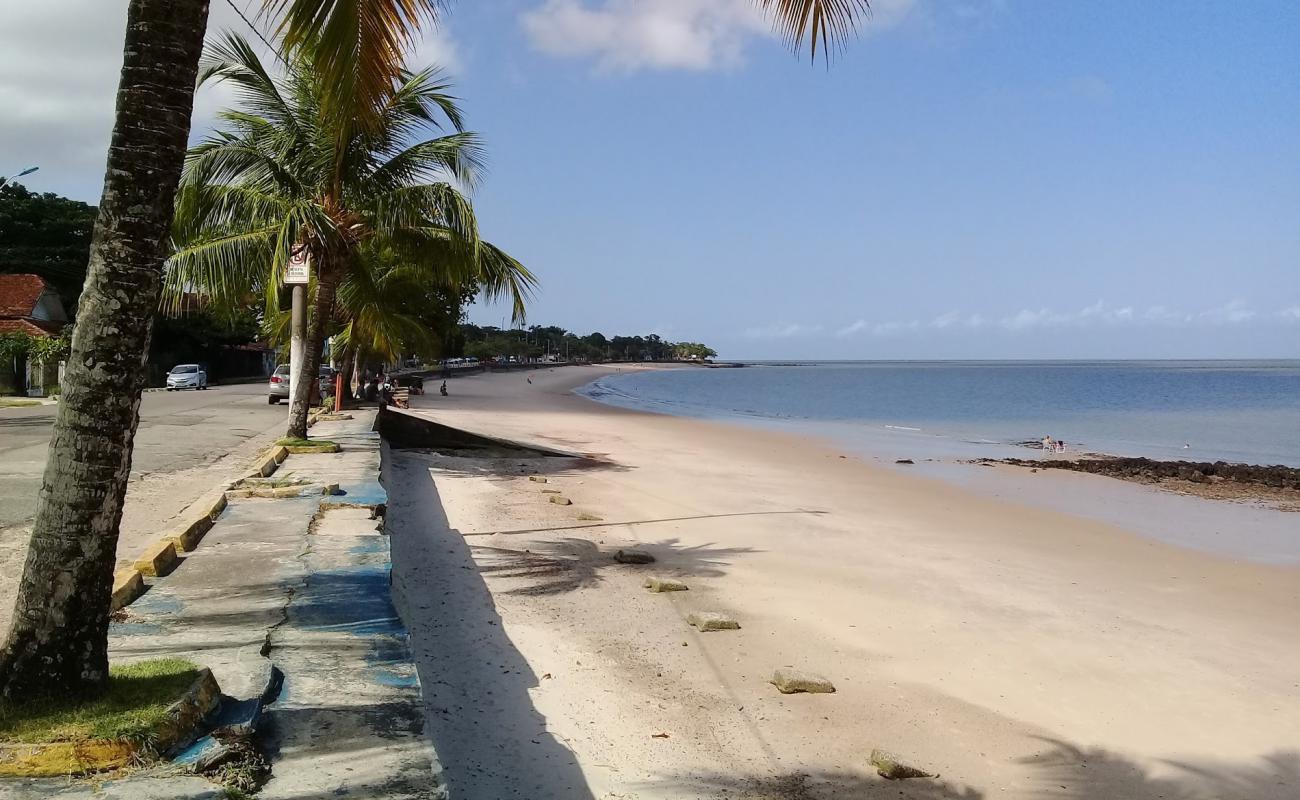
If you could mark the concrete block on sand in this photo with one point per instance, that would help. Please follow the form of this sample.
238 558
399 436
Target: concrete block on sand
586 517
633 557
128 584
890 767
664 585
330 489
550 491
789 681
561 501
712 621
158 559
537 479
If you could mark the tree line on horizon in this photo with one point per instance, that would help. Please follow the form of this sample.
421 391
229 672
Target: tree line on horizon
486 342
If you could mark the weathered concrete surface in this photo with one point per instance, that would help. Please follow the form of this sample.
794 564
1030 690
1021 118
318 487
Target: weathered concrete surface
133 787
158 559
187 444
348 720
219 604
128 584
308 589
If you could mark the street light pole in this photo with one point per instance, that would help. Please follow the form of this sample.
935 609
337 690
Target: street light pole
28 171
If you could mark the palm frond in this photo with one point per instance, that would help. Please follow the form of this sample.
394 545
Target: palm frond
827 23
358 46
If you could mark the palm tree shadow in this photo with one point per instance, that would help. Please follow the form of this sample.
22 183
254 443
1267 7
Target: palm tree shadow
1078 773
569 564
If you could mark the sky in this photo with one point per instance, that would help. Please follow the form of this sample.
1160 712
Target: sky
968 179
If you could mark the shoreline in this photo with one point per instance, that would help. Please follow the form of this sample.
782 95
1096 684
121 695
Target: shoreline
978 636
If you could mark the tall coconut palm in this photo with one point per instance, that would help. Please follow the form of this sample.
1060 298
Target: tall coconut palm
278 176
58 641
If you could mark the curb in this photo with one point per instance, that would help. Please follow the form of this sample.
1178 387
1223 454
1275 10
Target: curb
268 464
128 584
52 759
197 519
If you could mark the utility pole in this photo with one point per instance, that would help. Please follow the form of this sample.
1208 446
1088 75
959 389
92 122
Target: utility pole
297 274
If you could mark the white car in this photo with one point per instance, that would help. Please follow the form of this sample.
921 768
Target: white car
187 376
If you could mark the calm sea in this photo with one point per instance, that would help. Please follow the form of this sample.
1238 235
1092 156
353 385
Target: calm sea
1247 411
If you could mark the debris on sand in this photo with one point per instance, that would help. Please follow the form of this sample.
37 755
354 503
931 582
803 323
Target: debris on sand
789 681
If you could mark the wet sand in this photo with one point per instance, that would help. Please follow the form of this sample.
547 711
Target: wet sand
1017 651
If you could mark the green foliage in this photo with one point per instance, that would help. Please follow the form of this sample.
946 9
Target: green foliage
283 174
46 235
41 349
132 707
489 342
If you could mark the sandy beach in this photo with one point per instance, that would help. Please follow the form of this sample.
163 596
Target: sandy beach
1014 650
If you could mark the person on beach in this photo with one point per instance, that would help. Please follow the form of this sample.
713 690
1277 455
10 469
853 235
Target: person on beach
442 390
1047 444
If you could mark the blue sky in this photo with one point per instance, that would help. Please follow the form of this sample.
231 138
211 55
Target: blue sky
969 180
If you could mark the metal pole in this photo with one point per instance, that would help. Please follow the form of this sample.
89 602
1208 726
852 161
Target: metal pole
297 338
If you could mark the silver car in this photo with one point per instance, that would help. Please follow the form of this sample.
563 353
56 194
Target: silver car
278 388
187 376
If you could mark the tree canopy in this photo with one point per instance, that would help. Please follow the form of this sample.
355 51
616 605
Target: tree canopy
46 235
489 342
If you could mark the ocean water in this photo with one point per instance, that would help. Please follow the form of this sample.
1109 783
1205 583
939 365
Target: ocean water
1242 411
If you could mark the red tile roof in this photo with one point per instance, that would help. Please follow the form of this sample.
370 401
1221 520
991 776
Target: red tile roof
34 327
19 293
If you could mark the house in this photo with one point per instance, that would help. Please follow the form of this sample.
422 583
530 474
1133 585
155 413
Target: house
29 305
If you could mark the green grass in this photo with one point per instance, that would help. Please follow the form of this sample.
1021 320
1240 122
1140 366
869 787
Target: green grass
289 441
134 705
18 402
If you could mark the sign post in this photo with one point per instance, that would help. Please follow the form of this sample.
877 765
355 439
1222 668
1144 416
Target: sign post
297 274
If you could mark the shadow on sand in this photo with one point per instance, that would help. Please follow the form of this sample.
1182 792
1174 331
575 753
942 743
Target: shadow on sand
492 741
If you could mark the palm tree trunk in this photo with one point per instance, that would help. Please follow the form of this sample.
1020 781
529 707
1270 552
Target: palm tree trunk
58 643
322 312
346 369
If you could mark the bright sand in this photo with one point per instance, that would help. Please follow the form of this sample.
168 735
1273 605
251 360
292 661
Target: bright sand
1017 651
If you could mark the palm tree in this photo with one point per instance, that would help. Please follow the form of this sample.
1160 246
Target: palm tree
58 642
279 177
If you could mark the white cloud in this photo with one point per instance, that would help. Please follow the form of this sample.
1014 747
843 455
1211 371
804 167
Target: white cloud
1228 313
1291 314
1097 313
954 319
626 35
59 66
629 35
782 331
852 328
878 328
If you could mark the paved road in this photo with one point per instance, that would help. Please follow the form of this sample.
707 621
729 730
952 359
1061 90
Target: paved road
178 431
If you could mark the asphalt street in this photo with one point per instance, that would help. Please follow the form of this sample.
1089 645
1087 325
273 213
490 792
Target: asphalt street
178 431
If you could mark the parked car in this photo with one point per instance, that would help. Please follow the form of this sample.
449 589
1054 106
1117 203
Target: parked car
278 388
187 376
